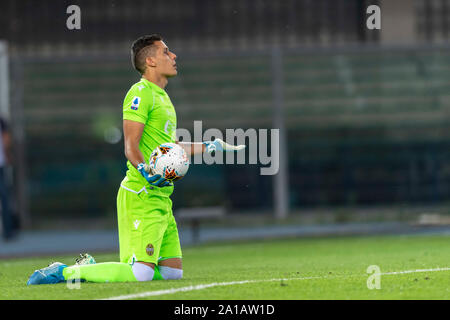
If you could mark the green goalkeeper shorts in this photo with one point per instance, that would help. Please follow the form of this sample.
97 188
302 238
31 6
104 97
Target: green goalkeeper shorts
147 228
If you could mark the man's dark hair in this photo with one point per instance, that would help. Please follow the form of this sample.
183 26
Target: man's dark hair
141 48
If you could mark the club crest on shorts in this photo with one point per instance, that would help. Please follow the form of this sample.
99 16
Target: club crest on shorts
149 249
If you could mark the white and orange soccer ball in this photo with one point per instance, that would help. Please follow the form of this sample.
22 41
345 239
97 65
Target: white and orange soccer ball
170 161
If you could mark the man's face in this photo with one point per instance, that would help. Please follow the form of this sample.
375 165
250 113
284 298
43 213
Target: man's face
164 60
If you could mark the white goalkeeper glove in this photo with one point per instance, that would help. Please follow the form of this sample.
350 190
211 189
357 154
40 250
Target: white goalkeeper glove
220 145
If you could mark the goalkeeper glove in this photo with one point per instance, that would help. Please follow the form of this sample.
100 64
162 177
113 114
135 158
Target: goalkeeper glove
219 145
155 180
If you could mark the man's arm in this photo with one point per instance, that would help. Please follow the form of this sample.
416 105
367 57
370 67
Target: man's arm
192 148
209 146
6 137
132 131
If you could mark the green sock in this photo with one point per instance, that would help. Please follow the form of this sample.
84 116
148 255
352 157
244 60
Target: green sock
157 274
100 272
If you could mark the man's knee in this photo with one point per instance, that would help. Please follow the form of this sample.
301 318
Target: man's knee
143 272
168 273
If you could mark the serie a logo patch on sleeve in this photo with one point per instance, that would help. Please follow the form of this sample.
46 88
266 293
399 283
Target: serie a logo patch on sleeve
135 103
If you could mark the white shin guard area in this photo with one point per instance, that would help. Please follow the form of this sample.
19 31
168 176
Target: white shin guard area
169 273
142 272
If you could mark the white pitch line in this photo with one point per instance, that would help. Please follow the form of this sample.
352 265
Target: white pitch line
200 287
414 271
217 284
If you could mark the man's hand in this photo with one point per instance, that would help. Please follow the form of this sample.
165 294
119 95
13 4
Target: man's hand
219 145
154 180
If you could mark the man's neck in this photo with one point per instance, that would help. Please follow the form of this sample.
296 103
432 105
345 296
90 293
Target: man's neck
160 81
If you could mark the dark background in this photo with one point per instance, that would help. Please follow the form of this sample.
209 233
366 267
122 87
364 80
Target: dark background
366 117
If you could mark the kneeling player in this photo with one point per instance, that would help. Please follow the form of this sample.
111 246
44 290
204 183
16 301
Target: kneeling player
148 235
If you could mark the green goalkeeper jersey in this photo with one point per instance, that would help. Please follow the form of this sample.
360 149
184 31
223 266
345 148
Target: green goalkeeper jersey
149 104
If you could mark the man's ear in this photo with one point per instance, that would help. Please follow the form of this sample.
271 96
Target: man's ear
149 61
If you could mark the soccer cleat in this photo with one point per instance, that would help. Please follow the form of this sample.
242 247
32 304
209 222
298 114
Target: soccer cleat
85 258
49 275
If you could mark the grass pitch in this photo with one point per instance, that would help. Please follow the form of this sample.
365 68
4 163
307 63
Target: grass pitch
313 268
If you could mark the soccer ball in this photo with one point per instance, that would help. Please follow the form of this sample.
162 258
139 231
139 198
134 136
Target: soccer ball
170 161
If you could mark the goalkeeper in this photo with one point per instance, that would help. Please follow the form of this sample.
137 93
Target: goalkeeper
148 235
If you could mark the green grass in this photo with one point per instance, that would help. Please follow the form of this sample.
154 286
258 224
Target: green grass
338 264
